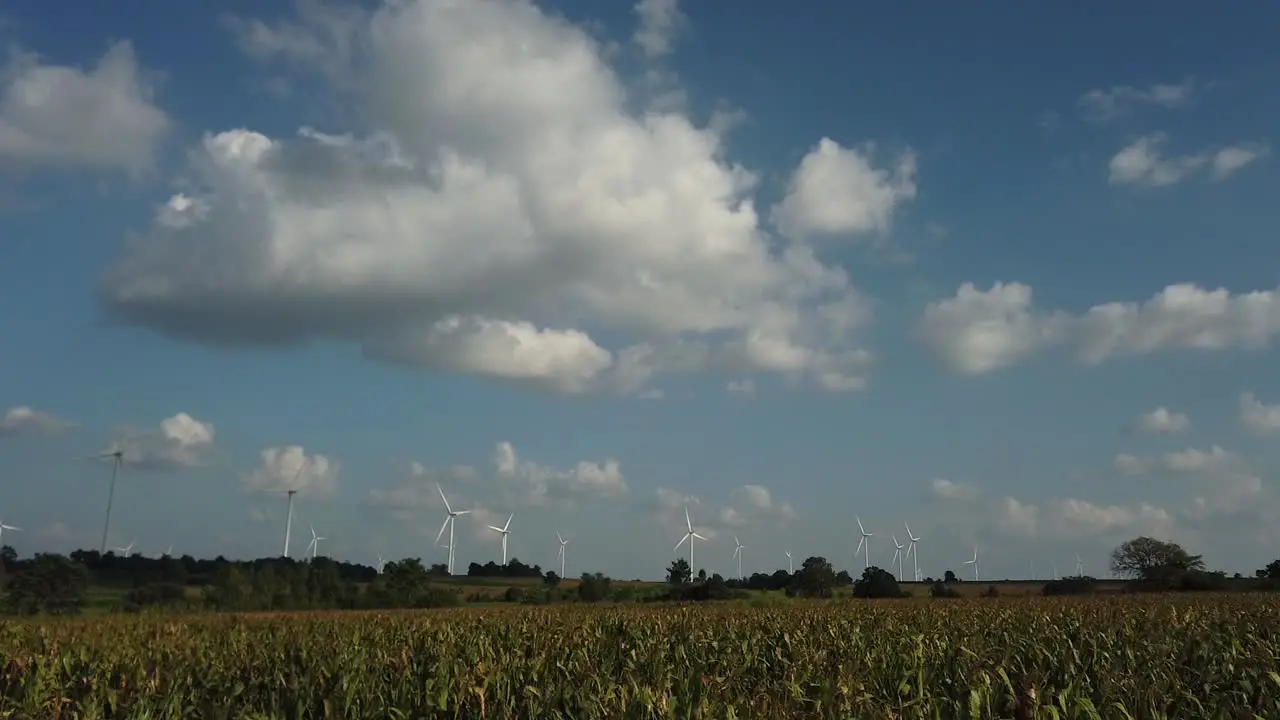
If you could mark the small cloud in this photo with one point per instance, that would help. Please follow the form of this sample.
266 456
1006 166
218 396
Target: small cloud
745 388
1257 417
1163 422
1103 106
289 467
23 419
948 490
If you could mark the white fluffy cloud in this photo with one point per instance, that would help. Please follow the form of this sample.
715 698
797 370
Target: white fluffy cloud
509 211
660 22
60 116
1061 518
1144 162
951 490
289 467
1102 106
1257 416
746 506
181 441
1162 421
23 419
512 484
978 331
838 192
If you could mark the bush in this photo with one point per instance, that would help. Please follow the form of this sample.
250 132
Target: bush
991 591
876 583
942 590
514 594
434 596
1080 585
155 595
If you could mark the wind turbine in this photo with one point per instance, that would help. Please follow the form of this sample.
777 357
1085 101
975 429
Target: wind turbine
291 491
505 532
449 522
737 553
126 550
897 554
974 563
10 528
688 536
314 545
1079 566
117 458
791 569
912 552
381 563
563 542
863 545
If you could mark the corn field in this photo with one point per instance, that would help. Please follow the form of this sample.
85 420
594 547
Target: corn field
1155 657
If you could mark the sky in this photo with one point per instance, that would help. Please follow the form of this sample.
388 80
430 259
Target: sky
1009 277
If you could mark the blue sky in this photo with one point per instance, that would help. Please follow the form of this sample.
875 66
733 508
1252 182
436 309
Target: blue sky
1006 276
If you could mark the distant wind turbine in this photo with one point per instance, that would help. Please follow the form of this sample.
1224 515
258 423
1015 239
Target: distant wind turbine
912 551
863 545
897 554
117 458
563 543
314 546
689 536
1079 566
381 563
291 491
126 550
974 563
791 570
737 553
505 530
449 522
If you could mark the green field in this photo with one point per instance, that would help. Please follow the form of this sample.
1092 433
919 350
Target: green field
1204 656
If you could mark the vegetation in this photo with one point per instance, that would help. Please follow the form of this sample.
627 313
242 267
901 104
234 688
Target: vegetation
1125 656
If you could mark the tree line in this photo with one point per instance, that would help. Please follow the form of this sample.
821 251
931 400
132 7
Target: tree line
57 584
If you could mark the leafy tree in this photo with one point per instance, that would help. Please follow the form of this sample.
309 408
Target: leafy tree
1152 560
815 578
940 590
702 575
49 583
1270 572
876 583
551 579
844 578
950 577
678 572
593 587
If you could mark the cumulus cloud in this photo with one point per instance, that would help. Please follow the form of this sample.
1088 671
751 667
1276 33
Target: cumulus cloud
745 506
1144 162
1103 106
1258 417
66 117
23 419
509 211
839 192
289 467
529 483
1163 422
660 22
951 490
179 442
978 331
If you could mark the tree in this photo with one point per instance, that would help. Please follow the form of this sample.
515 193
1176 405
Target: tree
1270 572
678 572
950 577
876 583
1152 560
50 583
551 579
593 588
815 578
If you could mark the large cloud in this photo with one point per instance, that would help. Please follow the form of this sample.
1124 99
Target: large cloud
179 442
978 331
289 467
509 214
62 116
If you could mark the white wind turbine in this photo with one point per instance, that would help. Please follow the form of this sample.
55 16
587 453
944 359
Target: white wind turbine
791 569
737 554
505 532
449 522
168 552
291 491
563 542
974 563
863 544
125 550
897 554
314 546
117 459
689 536
381 563
10 528
1079 566
912 551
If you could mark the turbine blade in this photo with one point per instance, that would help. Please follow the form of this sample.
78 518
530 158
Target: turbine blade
687 520
509 517
860 528
496 528
445 499
686 537
462 512
442 528
559 538
697 536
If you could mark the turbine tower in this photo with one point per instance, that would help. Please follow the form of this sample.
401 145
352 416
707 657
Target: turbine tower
737 554
863 545
791 569
10 528
689 536
505 532
117 458
912 552
1079 566
974 563
563 542
897 554
314 545
449 522
291 491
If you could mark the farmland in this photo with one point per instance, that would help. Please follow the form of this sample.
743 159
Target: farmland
1205 656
